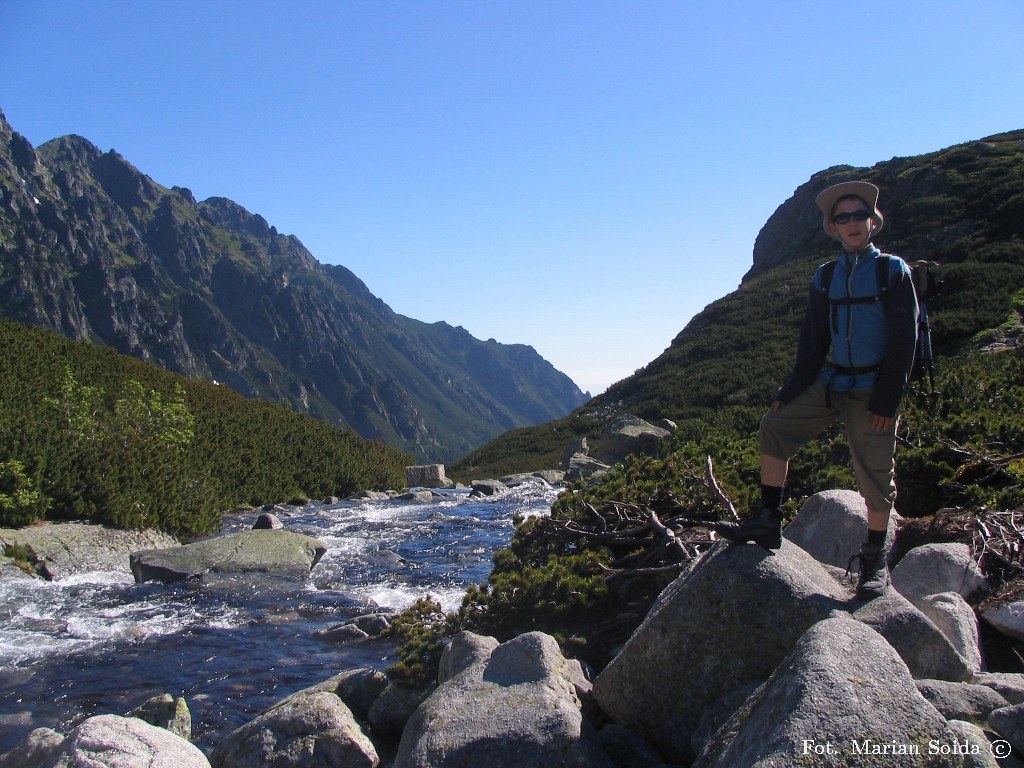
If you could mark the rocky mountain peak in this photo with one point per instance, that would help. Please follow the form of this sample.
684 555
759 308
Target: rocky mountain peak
95 249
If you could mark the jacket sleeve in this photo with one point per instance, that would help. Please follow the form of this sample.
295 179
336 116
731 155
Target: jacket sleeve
900 345
812 349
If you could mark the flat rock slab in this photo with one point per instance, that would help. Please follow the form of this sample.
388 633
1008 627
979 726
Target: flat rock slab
60 550
281 554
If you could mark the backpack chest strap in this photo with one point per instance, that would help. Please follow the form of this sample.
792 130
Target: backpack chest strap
881 281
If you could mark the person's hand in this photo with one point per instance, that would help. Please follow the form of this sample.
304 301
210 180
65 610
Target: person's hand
881 423
776 404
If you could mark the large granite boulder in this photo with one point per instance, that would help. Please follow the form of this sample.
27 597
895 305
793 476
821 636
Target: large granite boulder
520 479
583 467
38 750
309 729
59 550
267 521
831 526
1008 618
962 701
280 554
978 750
513 706
924 648
1009 685
550 476
725 623
427 476
842 697
464 651
958 622
106 741
359 688
628 435
1008 722
934 568
579 446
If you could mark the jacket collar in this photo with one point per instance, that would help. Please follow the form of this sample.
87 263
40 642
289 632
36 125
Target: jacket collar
859 257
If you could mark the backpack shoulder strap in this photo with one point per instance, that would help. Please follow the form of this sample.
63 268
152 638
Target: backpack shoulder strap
827 270
882 267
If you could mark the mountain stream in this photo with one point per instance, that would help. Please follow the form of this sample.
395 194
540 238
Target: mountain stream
98 643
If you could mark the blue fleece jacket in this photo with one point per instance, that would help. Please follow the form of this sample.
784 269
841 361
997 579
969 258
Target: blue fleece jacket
863 336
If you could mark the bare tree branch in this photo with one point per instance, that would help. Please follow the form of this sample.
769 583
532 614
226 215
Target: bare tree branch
709 476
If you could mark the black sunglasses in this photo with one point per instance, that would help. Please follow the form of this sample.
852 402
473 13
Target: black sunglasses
844 218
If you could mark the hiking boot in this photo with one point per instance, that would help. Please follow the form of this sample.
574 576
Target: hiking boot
873 576
764 529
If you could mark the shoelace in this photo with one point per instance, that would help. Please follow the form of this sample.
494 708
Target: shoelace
866 565
849 565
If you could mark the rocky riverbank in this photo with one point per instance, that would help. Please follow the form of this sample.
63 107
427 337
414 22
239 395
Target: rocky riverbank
750 657
58 550
55 551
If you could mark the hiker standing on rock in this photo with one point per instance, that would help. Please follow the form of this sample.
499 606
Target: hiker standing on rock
853 362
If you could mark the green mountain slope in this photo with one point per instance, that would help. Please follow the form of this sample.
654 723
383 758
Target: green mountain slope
94 249
88 433
962 207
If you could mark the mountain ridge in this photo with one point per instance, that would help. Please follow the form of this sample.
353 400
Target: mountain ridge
962 207
93 248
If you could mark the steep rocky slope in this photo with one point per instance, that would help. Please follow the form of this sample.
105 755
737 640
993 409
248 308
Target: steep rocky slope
95 249
961 207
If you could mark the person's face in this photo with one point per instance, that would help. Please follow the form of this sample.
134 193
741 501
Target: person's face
853 234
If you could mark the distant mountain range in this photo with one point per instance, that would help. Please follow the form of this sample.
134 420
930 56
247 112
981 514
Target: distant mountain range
961 207
96 250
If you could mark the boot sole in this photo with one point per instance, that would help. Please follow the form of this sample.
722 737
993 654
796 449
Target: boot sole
733 533
768 542
871 594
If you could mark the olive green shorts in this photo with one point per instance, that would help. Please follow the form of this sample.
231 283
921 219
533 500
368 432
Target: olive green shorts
783 432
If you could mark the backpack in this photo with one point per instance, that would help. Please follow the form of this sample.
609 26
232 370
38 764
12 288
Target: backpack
925 286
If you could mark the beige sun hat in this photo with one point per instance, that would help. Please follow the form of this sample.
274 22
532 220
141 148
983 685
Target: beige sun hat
866 191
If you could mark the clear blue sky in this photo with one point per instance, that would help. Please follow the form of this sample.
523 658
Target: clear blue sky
582 176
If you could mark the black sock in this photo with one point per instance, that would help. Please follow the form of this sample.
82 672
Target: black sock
771 496
876 537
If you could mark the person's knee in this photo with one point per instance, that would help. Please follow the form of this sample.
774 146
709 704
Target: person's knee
879 502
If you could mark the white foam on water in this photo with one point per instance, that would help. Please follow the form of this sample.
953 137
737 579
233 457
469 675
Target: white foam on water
42 618
393 553
19 647
344 546
398 598
97 578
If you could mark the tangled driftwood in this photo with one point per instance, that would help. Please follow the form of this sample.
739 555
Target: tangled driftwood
653 539
997 542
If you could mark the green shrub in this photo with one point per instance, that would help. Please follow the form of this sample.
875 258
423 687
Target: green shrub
540 582
420 631
23 557
21 502
109 438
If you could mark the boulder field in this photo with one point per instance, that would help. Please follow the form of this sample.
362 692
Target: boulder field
750 657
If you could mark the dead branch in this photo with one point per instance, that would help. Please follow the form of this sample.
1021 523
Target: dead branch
667 534
997 540
601 522
716 489
645 540
612 574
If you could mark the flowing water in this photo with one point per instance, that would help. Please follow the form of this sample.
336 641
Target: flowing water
99 643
